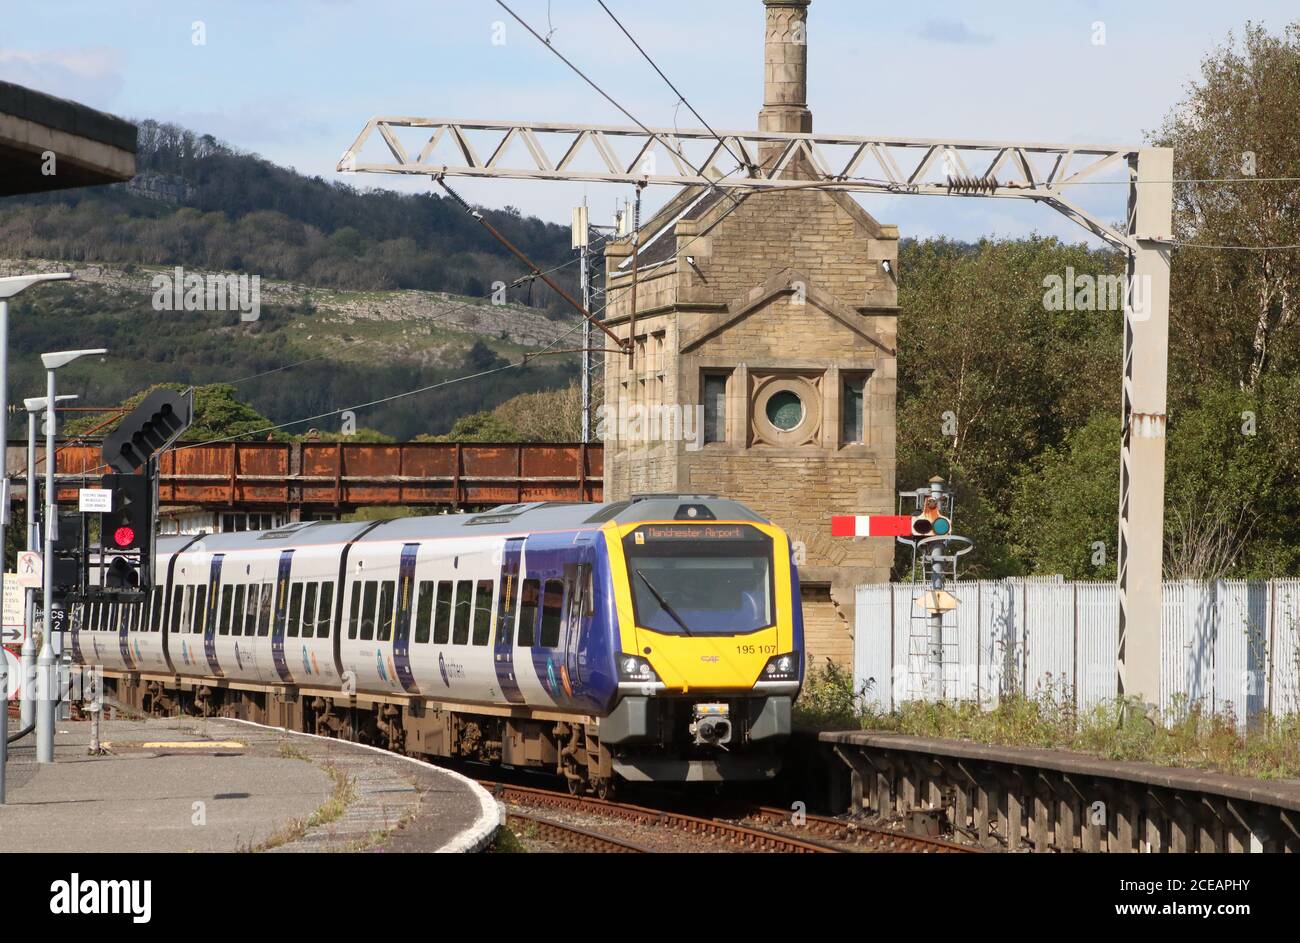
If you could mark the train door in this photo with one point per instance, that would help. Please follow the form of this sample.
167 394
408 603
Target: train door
210 620
579 608
503 655
281 616
402 620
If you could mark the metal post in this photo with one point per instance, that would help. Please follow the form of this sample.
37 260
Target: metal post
1142 448
45 663
4 517
586 346
27 706
936 691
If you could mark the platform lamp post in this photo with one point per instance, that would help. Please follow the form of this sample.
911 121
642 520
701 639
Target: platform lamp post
35 406
9 287
46 681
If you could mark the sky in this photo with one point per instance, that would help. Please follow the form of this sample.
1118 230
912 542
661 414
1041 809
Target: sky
296 80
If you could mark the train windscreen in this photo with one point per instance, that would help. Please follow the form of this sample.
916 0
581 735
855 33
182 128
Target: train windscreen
700 579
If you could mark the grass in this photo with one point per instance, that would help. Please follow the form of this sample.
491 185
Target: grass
506 842
1190 735
335 804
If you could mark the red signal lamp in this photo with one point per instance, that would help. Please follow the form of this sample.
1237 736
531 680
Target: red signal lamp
124 536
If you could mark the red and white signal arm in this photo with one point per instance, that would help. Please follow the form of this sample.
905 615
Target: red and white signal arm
871 525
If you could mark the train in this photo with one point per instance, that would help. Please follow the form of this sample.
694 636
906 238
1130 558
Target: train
655 639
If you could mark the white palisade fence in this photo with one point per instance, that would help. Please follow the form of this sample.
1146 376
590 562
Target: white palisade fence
1229 645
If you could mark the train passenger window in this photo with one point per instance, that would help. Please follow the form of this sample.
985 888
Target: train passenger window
309 611
528 613
237 611
552 613
384 620
250 610
424 611
464 607
483 612
178 603
200 609
442 614
156 612
325 615
227 604
264 616
355 618
295 609
368 610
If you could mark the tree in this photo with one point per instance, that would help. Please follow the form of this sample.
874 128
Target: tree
218 414
476 427
546 416
1240 121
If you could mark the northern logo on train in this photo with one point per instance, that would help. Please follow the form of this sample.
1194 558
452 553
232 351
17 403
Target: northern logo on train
306 665
238 658
379 666
550 675
138 656
442 669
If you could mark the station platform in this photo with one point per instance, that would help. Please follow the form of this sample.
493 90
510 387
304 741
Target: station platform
217 785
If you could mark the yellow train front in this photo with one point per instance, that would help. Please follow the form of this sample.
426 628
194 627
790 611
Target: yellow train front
707 634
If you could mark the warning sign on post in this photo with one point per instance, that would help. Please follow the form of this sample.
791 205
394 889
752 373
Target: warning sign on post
15 610
94 500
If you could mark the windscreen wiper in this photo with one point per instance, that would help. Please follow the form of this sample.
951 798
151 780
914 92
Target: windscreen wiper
663 602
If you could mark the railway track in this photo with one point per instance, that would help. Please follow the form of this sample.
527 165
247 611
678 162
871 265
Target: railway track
755 829
711 831
864 837
570 837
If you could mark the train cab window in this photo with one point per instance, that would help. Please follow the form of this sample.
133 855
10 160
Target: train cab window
295 610
464 608
552 613
368 601
325 614
236 617
354 619
442 614
309 611
483 612
227 604
424 611
178 606
528 613
384 620
264 615
200 609
156 610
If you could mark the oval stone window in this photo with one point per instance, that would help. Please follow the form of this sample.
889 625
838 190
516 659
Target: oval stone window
785 410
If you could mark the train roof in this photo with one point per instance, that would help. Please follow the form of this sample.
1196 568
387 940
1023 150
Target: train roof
505 519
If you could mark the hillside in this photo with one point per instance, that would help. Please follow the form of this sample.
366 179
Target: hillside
366 293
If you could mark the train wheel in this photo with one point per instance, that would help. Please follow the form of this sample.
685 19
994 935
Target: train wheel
605 788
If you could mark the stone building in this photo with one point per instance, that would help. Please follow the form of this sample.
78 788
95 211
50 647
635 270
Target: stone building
771 319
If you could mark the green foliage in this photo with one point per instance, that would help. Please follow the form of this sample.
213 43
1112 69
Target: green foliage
989 379
218 414
1190 735
477 427
1065 504
828 699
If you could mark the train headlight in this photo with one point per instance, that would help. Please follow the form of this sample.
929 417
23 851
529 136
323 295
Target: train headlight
781 668
635 668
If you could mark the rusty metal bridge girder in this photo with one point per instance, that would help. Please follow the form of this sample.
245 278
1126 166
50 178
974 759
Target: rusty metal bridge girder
344 476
